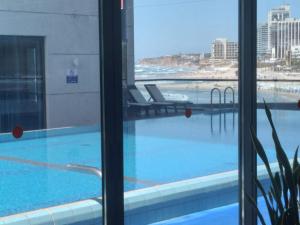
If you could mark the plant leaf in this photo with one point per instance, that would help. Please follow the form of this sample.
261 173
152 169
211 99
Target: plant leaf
272 212
284 162
261 218
261 153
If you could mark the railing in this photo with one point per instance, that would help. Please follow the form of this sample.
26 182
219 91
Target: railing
198 90
216 80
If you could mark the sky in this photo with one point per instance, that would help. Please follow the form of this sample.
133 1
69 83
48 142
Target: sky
166 27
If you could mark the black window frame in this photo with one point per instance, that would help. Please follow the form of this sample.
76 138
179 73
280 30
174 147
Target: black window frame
112 116
110 39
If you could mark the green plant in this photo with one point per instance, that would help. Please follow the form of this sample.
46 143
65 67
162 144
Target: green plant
282 196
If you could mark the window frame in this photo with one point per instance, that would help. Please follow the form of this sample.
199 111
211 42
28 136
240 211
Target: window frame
110 39
112 116
247 110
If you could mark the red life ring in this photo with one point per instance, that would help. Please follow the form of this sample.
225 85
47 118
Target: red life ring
17 132
188 112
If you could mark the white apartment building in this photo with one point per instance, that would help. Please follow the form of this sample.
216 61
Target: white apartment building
224 49
286 36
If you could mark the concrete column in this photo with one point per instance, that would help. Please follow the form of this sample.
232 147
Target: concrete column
279 40
285 35
297 31
292 34
288 41
130 41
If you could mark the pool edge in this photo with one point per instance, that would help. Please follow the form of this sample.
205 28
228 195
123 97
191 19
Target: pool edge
158 199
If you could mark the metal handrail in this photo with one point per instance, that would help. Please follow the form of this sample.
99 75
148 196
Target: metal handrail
212 79
84 169
233 95
211 95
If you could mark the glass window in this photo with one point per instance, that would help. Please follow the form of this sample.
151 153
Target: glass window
180 91
22 77
50 141
278 74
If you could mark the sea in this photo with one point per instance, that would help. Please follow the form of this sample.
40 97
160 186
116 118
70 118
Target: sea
156 72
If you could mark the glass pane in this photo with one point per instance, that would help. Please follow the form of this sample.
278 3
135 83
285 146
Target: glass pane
278 83
180 67
49 112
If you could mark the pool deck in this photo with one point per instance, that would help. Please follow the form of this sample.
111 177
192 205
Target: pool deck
207 108
196 109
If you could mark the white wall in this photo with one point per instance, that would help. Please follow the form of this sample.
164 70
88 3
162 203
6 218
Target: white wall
70 28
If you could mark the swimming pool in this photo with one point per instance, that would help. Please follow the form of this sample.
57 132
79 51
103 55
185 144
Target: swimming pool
227 213
182 148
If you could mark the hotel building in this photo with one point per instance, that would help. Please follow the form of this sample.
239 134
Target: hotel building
279 35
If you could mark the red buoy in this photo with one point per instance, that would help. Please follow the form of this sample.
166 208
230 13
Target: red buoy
188 112
17 132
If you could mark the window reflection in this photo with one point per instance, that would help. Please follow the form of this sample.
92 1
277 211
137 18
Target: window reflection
21 82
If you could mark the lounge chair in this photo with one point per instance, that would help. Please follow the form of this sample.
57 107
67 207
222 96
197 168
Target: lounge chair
145 107
138 98
157 96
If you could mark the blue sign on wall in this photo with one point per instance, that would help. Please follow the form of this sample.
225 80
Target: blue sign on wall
72 76
72 79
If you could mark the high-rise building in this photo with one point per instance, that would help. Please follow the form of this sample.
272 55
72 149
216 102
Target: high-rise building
224 49
262 40
274 17
286 36
279 34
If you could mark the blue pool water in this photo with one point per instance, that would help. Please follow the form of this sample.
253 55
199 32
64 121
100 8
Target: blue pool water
156 151
215 216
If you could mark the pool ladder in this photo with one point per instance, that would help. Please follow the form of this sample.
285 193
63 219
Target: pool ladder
211 96
233 95
233 106
220 95
220 112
